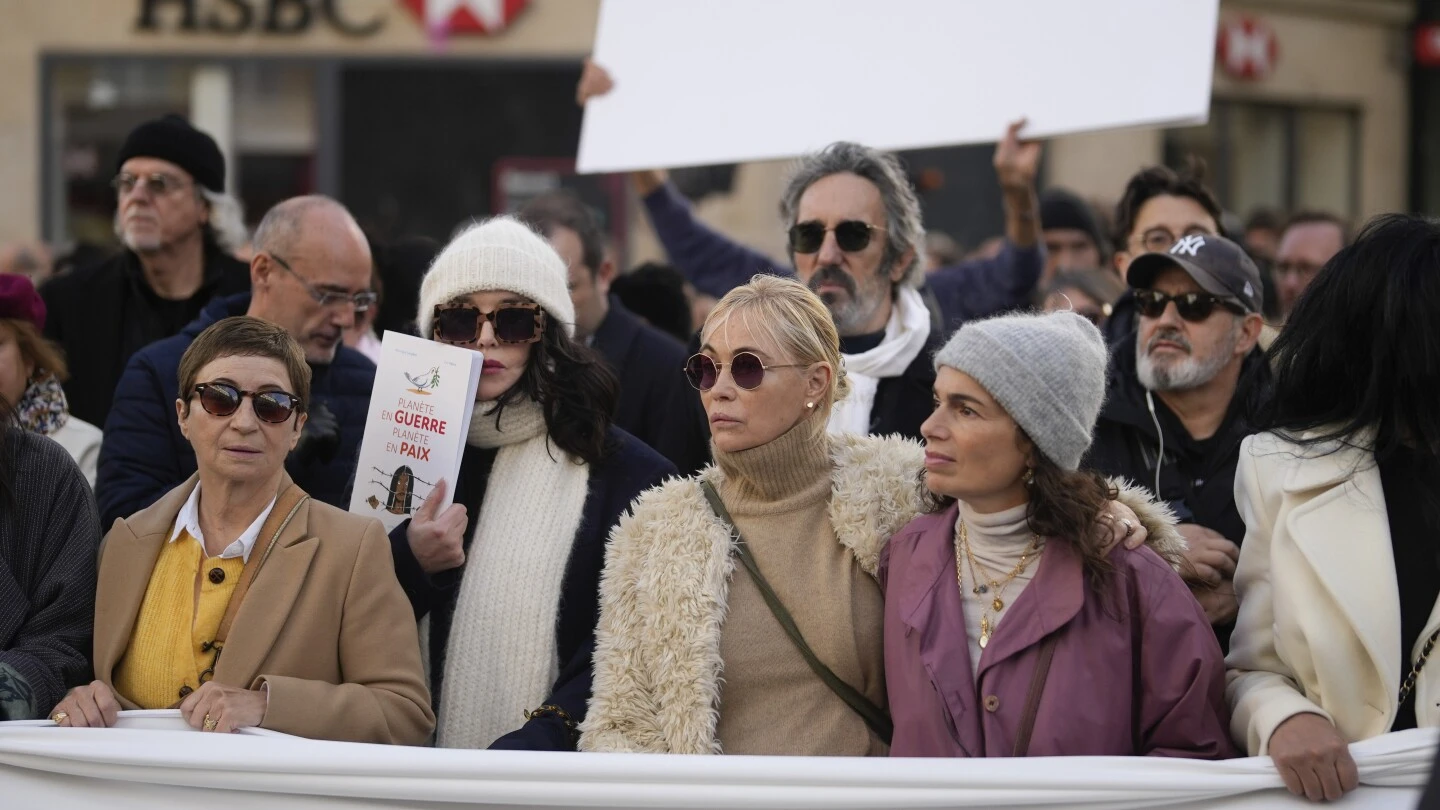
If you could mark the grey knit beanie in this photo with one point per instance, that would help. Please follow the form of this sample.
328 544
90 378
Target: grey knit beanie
1047 371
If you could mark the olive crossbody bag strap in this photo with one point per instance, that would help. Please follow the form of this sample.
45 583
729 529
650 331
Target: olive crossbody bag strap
874 716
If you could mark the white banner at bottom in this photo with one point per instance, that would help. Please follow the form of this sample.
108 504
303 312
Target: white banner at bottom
153 760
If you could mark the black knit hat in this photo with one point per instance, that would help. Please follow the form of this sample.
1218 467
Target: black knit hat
172 138
1060 208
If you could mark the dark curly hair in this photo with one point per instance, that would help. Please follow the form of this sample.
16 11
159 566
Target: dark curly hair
1157 181
576 390
1064 505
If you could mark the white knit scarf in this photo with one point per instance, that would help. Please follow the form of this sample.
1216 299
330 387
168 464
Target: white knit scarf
905 335
501 657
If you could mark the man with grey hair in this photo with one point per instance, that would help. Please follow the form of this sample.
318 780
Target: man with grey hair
177 227
1181 390
311 275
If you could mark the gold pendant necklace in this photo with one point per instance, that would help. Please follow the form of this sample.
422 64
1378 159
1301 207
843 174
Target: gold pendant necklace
985 586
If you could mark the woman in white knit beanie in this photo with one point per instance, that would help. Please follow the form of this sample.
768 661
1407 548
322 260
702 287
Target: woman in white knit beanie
506 579
1011 629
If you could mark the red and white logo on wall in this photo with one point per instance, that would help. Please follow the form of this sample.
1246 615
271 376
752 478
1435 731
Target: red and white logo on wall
483 17
1246 48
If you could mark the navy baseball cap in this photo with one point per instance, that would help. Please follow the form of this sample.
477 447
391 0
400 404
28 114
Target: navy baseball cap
1218 265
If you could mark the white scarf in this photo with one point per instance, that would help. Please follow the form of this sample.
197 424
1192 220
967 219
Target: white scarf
501 658
905 335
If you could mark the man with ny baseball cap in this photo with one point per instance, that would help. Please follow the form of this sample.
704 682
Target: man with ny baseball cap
1181 391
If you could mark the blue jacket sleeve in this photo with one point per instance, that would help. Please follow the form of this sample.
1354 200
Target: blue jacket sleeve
713 263
418 586
984 287
139 461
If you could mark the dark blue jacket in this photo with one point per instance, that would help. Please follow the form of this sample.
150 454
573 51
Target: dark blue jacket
657 405
716 265
144 455
631 468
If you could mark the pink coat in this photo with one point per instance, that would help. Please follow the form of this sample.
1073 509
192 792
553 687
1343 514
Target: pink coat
1144 676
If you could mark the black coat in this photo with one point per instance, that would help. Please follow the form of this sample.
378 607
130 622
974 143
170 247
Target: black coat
902 404
48 547
614 483
657 405
144 455
1197 479
101 315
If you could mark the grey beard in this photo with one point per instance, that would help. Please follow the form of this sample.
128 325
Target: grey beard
1185 375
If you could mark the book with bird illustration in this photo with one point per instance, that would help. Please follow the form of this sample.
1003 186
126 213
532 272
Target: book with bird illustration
415 430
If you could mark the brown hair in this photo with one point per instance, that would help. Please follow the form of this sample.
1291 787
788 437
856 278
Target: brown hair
243 336
1064 505
37 349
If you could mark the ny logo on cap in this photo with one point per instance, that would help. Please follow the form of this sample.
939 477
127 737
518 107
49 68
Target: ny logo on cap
1188 244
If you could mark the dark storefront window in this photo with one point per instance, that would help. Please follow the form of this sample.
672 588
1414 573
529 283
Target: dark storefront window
1278 156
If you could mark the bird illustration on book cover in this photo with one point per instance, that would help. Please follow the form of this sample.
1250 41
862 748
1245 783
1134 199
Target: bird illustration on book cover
423 382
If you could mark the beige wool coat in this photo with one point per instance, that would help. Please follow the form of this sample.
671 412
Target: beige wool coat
325 624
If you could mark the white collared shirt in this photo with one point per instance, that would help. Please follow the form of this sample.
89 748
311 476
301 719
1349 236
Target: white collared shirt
188 520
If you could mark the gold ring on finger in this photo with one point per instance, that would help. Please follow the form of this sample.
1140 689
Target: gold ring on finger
59 717
210 723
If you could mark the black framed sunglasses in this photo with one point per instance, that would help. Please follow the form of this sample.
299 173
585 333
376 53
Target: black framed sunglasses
851 235
223 399
1192 306
746 369
513 323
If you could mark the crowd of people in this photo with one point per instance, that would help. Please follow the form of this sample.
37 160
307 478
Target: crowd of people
1195 475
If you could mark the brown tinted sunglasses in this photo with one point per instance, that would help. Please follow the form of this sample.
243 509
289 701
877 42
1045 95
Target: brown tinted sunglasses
513 323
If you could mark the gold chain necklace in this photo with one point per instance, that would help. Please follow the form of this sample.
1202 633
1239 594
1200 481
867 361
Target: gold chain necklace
989 584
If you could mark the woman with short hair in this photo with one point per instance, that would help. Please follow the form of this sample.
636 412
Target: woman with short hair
31 371
1010 630
761 568
236 597
507 577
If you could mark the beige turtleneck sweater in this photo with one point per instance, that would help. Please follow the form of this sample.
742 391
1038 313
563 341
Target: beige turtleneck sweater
771 702
997 540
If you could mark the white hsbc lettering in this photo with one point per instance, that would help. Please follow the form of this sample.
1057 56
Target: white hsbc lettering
1189 245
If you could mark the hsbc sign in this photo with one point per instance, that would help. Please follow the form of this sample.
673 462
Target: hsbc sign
1246 48
438 17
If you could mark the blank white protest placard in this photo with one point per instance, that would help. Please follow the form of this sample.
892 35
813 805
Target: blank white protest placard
721 81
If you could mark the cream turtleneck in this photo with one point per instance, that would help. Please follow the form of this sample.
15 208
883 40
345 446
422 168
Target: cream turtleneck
771 701
997 541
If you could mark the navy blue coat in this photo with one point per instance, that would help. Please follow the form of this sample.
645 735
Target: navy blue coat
614 484
657 405
144 455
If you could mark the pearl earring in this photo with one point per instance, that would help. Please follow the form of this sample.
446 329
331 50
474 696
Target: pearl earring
1029 478
810 405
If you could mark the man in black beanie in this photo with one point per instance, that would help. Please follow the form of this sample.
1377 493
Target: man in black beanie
1072 234
178 229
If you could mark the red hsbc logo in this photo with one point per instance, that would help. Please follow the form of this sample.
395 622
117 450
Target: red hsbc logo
1246 48
483 17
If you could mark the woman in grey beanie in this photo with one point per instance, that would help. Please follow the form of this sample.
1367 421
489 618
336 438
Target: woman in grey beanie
1012 629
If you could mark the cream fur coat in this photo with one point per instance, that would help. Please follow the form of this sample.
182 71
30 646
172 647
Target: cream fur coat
664 591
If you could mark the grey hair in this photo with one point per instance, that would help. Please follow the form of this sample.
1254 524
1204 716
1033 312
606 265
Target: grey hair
227 219
904 226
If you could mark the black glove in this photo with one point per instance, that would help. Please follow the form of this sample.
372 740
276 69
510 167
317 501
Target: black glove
320 439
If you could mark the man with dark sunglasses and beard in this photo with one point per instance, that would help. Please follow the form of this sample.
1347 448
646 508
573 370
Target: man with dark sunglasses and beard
311 276
1182 388
856 235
